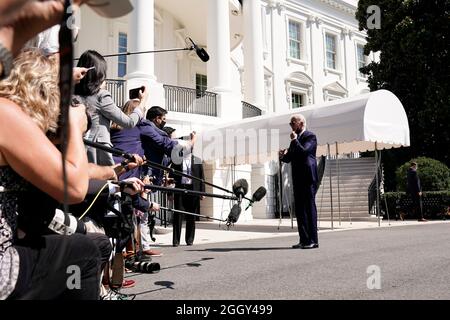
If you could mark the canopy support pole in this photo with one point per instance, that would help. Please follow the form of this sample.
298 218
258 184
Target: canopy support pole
331 189
377 205
338 182
280 190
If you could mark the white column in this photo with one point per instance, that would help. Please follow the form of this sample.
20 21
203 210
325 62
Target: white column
277 29
253 54
228 102
218 37
351 65
141 67
219 65
141 38
317 55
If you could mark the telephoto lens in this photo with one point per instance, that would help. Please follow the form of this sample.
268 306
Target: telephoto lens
142 266
148 267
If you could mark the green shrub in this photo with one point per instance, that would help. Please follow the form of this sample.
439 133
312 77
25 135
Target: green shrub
435 204
434 175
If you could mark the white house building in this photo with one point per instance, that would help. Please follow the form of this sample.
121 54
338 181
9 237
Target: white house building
266 56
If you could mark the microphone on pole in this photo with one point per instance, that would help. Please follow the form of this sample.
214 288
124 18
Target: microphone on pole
235 212
201 53
257 196
240 188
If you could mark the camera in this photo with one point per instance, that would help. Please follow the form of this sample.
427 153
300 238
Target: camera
76 101
142 266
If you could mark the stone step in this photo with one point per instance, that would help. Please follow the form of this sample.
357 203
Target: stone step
348 175
343 202
368 218
345 210
353 213
344 189
326 181
346 166
353 160
368 170
351 164
356 182
343 196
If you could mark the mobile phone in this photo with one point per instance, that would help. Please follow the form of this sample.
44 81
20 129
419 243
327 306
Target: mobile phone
134 93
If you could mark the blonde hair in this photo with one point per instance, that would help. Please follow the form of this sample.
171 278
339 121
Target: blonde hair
128 108
33 86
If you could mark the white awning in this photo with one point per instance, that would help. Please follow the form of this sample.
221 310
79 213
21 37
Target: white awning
355 124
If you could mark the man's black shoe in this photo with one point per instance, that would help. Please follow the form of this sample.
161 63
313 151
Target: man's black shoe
297 246
309 246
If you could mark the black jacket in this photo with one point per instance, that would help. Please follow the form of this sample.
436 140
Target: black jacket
413 187
302 155
196 171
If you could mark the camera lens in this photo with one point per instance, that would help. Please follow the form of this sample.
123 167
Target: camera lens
149 267
143 266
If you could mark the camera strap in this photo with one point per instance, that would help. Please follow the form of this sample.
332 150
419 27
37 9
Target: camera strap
65 87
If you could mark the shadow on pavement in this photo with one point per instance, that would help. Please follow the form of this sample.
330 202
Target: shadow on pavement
243 249
164 284
251 227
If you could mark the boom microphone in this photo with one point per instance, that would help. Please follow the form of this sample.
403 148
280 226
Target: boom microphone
257 196
240 188
234 214
201 53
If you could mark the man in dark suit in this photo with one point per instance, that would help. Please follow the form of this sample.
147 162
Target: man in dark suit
414 190
193 166
156 142
302 155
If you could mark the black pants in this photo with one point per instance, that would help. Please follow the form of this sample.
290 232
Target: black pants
306 213
104 246
186 203
60 267
416 206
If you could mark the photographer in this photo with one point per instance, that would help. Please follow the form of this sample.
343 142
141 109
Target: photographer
29 108
101 107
